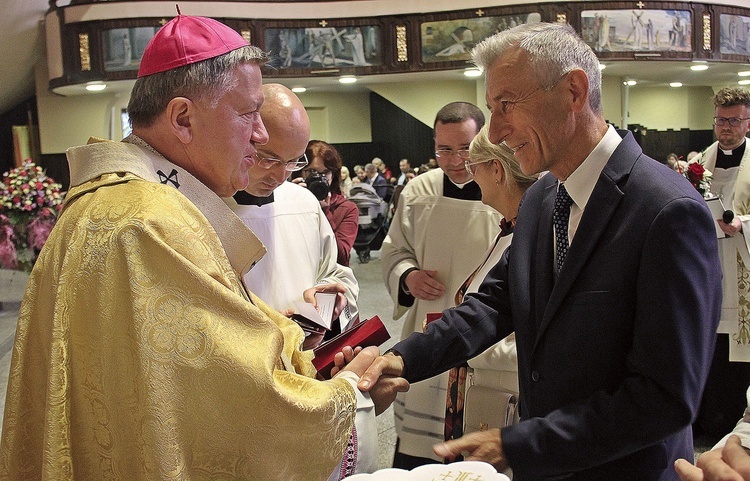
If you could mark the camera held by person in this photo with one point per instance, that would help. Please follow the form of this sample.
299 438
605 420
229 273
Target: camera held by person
318 185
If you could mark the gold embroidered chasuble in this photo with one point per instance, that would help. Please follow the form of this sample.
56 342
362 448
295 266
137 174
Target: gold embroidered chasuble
137 354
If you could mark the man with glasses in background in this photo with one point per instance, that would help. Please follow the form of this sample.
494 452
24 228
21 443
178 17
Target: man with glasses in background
729 159
287 218
438 236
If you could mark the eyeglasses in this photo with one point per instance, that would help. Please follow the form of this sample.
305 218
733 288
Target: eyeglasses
448 153
272 162
471 167
733 121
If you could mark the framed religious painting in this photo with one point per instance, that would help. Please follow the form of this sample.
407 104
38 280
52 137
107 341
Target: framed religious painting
324 47
453 39
734 34
123 47
637 30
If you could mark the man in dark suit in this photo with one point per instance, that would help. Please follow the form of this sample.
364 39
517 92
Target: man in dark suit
376 180
614 308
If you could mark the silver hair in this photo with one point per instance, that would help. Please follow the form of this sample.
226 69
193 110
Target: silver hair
482 149
206 80
554 50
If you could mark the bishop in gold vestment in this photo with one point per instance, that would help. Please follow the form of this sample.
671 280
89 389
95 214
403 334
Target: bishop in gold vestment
138 355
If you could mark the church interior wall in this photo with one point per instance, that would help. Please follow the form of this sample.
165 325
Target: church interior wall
344 118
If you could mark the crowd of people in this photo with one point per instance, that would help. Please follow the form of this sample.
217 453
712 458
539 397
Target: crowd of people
381 171
568 332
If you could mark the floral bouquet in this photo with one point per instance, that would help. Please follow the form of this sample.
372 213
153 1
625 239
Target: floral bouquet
698 175
29 204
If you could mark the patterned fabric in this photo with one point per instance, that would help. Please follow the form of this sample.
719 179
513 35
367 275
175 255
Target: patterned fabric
349 461
138 354
560 219
742 334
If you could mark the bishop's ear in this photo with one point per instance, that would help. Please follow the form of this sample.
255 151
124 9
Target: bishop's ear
180 112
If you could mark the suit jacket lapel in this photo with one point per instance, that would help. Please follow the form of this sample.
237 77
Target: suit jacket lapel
604 200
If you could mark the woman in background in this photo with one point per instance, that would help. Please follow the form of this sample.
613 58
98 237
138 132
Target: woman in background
359 174
346 181
496 171
342 214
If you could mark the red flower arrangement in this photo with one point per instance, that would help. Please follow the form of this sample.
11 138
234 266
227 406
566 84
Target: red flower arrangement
29 204
698 175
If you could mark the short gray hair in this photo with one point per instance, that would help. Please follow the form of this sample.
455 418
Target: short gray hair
483 150
208 79
554 50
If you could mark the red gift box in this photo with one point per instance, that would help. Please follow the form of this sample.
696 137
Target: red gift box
371 332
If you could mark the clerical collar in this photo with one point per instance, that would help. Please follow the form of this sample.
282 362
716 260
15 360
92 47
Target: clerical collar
736 149
244 198
726 159
468 191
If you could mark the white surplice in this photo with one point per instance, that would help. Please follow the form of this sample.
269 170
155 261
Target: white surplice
433 232
733 186
301 250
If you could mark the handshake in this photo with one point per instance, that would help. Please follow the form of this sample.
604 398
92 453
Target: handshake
378 375
381 377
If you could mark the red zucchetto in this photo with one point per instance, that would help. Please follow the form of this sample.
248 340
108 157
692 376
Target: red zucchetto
185 40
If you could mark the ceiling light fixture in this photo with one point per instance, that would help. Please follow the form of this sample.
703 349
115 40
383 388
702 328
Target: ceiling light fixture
602 66
699 67
744 82
96 86
348 79
299 90
746 73
472 72
630 83
675 84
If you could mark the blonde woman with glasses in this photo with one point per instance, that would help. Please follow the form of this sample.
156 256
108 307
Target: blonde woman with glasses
487 391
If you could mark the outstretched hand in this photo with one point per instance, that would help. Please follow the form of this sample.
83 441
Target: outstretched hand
730 463
382 375
359 363
478 446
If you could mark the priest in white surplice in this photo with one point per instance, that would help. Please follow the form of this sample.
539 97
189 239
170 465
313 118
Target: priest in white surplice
301 246
437 238
288 218
729 160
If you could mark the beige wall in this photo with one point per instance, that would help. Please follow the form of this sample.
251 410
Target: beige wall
338 117
664 108
423 101
612 100
68 121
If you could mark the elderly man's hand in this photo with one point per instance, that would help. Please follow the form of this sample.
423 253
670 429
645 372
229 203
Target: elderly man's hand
478 446
385 387
383 381
362 360
731 463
